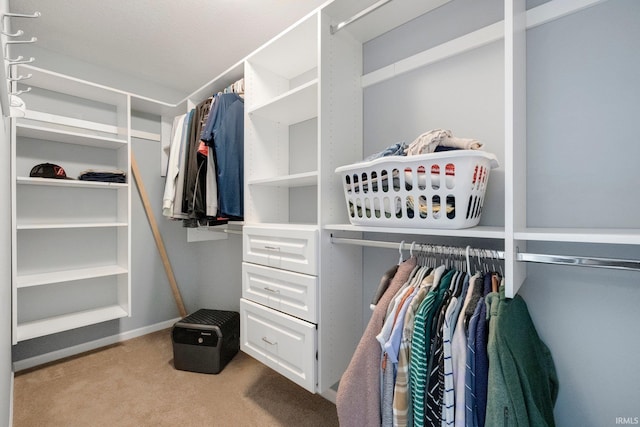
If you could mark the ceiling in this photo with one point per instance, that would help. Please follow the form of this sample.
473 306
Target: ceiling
180 45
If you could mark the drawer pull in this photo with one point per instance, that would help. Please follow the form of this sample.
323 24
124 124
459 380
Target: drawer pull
272 248
273 291
268 342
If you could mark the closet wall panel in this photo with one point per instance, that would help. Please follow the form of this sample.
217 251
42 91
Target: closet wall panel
588 318
464 94
583 91
401 42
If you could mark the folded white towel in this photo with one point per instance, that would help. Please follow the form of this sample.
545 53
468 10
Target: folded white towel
462 143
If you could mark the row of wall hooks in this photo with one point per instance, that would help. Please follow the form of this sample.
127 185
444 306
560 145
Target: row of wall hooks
10 102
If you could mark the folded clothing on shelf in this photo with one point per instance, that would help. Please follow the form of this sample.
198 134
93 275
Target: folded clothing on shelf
429 141
116 175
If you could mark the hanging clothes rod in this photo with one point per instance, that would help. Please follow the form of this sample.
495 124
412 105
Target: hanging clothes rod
579 261
335 28
476 252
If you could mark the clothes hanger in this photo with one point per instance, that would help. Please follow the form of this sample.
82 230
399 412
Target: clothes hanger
400 250
496 277
468 263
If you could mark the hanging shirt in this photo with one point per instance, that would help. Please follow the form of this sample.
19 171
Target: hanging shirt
391 348
482 360
224 131
358 398
402 412
173 164
194 203
435 368
448 403
471 409
420 344
459 356
523 384
229 148
184 144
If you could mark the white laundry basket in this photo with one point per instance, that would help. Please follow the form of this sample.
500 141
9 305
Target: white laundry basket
398 191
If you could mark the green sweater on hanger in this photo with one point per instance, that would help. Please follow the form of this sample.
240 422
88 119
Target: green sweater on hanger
523 385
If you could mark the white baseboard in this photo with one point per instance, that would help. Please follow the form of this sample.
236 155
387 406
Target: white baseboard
330 395
31 362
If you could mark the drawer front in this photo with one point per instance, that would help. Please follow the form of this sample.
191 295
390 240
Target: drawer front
284 343
286 291
291 248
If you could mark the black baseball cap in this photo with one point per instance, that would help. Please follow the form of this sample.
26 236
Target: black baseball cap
48 170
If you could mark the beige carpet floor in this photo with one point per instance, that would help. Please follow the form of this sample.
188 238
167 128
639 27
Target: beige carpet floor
134 383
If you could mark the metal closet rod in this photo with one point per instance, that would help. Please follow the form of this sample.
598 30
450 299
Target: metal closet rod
580 261
440 249
368 10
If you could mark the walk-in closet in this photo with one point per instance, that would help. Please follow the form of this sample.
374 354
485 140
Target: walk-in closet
422 212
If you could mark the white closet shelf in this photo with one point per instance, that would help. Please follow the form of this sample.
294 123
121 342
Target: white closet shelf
622 236
291 53
56 82
296 180
484 232
65 322
73 124
538 15
232 227
38 279
53 226
294 106
149 136
57 133
24 180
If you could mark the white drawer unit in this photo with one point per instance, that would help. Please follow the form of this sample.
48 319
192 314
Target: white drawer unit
286 291
289 247
283 343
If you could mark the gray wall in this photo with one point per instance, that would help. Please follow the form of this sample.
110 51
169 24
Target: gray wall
583 154
101 75
582 112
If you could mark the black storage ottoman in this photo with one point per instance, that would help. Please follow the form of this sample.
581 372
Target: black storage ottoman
206 340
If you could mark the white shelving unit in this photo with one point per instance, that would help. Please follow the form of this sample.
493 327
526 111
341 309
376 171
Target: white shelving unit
294 106
71 238
340 284
281 126
280 247
304 119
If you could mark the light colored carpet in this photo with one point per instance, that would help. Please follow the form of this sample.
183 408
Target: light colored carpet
134 383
